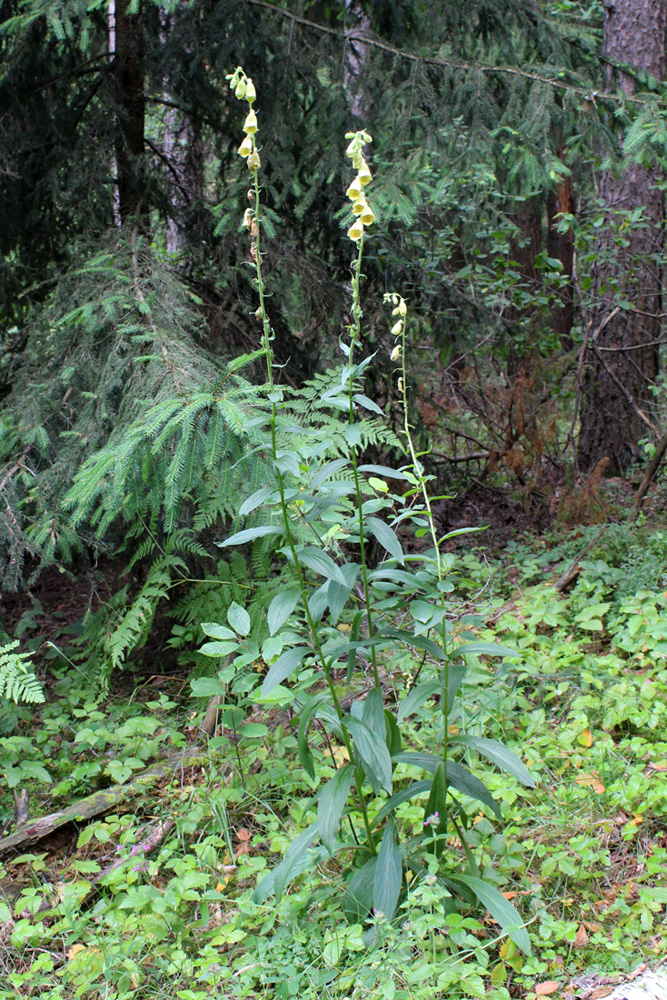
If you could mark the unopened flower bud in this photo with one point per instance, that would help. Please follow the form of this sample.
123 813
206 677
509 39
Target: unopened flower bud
397 328
259 314
250 124
356 230
247 219
396 353
241 89
245 149
250 93
254 162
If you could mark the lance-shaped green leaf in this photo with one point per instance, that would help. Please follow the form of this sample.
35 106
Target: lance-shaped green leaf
286 663
501 755
385 536
249 534
382 470
255 500
358 899
398 798
332 803
321 563
388 876
367 403
299 856
305 716
458 776
373 712
416 698
329 469
373 752
418 641
435 811
484 649
500 908
280 608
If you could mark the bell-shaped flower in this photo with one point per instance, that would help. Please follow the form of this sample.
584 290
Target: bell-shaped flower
360 205
241 89
364 175
250 124
356 230
396 353
245 149
397 328
254 162
367 215
250 92
354 190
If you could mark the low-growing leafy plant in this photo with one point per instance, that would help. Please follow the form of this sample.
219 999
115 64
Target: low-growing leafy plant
348 612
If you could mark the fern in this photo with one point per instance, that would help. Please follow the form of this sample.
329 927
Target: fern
17 680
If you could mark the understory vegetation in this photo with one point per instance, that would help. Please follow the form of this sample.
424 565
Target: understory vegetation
333 644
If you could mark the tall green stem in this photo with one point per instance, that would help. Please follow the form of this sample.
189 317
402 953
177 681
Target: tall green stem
355 332
267 338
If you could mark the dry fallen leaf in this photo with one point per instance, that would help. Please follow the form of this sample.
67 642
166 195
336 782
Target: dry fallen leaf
581 937
243 836
591 781
585 738
546 989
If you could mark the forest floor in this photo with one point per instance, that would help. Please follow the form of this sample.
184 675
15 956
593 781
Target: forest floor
151 896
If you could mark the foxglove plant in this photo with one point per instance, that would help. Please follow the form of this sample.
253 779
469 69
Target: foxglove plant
342 612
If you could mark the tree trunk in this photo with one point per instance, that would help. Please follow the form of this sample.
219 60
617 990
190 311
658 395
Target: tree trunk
560 246
128 74
183 149
616 383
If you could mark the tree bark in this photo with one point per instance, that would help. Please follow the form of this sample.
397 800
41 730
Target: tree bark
615 384
560 246
128 75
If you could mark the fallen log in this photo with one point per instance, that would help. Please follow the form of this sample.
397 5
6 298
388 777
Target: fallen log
103 800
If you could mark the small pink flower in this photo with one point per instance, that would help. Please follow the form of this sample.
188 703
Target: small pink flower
432 820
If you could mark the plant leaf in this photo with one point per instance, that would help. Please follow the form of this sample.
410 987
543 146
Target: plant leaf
255 500
280 608
500 909
398 798
501 755
458 776
321 563
484 649
248 534
388 876
332 802
283 667
373 752
385 536
416 698
382 470
238 618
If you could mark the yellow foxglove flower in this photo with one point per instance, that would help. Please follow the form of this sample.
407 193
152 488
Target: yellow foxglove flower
354 190
396 353
397 328
359 205
250 92
356 230
245 149
364 175
250 124
254 162
368 215
241 89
